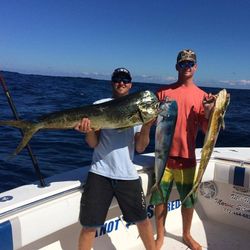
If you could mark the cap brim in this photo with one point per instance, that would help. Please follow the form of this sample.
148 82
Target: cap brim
186 59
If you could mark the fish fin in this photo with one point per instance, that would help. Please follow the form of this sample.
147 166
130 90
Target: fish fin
140 114
121 129
223 124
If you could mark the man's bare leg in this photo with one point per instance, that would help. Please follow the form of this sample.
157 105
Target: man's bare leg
146 233
86 238
187 216
160 218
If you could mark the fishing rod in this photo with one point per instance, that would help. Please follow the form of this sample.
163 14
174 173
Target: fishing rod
15 114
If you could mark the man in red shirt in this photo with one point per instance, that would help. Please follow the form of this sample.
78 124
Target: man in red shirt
192 115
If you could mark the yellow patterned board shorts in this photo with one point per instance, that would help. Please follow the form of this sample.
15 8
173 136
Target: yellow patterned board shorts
183 179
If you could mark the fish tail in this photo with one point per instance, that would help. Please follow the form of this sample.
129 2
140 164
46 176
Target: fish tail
28 129
16 123
28 133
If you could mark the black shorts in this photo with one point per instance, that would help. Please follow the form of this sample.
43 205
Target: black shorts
98 194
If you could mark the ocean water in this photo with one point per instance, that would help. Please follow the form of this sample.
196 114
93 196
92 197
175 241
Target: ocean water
59 151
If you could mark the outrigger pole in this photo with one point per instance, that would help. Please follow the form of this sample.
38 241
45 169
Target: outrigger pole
14 111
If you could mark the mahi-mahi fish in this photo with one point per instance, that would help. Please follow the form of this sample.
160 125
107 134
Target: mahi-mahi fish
133 109
165 127
216 121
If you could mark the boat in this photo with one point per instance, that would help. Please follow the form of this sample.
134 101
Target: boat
34 217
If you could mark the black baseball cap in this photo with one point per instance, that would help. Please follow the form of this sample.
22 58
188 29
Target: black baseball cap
121 73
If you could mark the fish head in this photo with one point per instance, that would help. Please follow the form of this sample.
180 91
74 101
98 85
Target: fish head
148 105
168 107
221 104
222 100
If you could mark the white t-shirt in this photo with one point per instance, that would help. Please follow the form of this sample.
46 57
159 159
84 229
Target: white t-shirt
114 153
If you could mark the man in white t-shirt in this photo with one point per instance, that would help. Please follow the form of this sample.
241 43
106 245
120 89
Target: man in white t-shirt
113 174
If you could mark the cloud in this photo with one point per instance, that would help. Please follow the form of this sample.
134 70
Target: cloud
238 83
95 75
234 84
136 78
154 79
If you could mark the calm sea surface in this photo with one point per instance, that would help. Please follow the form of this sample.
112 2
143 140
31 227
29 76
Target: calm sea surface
59 151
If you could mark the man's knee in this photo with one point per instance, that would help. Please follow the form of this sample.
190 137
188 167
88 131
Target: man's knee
143 223
88 230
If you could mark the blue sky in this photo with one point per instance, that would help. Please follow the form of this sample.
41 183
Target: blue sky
91 38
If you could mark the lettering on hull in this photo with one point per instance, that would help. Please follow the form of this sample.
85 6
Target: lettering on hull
118 222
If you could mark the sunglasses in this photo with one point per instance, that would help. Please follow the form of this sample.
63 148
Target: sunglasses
119 80
186 64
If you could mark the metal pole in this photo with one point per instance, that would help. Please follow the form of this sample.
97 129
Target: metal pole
14 111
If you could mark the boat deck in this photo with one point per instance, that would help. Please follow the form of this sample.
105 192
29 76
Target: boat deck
211 235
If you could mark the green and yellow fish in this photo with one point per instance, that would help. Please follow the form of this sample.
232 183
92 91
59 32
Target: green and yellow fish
216 121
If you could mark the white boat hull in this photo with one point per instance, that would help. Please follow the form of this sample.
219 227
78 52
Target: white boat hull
47 218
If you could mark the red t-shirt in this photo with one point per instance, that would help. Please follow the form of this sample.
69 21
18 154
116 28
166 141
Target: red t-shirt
190 118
